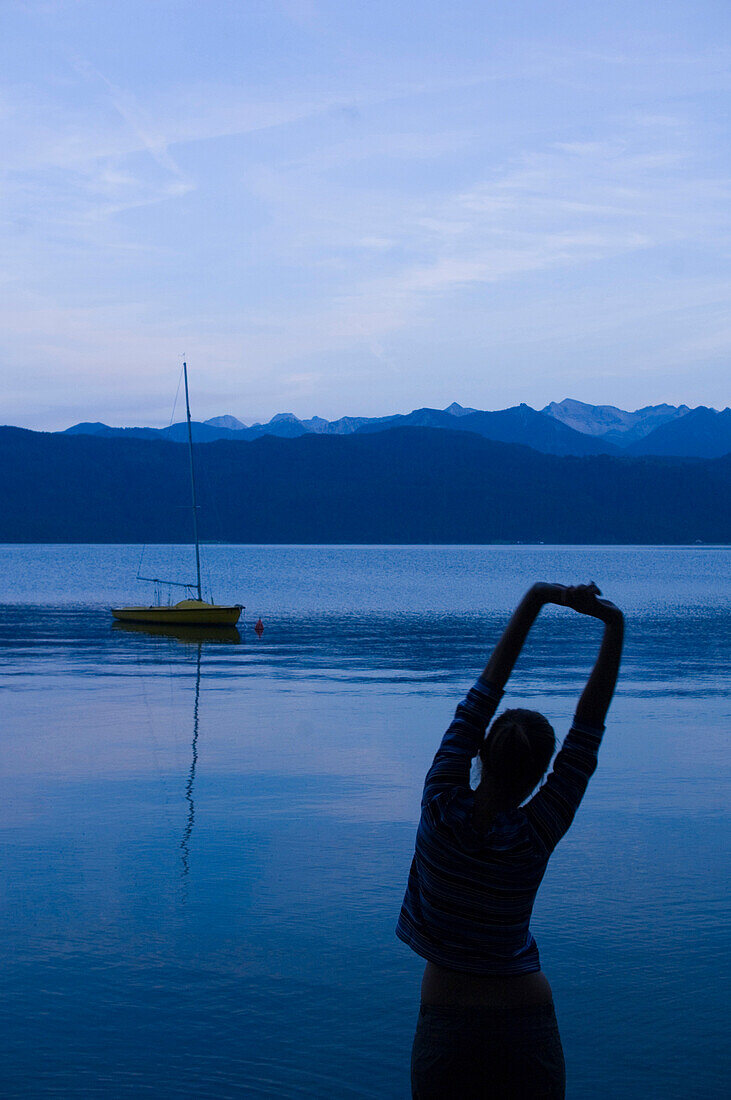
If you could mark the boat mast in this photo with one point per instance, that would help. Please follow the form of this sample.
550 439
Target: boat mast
192 486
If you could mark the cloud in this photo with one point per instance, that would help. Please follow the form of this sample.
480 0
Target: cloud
294 219
572 204
138 123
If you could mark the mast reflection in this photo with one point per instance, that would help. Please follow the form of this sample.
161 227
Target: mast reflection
198 636
184 843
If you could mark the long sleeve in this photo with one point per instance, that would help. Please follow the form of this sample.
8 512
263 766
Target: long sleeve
461 742
551 810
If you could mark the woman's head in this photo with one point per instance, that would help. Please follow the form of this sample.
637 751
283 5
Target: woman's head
515 755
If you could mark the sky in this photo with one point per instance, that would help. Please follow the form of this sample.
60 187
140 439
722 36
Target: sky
363 208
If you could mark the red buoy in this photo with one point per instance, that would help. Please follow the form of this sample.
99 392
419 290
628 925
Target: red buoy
259 627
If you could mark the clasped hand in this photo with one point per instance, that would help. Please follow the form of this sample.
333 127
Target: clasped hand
583 598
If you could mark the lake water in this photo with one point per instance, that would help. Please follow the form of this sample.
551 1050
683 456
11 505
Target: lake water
204 843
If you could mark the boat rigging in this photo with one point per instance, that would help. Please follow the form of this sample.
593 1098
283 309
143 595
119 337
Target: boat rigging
191 611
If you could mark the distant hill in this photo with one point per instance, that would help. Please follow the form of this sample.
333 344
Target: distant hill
702 432
520 424
403 485
202 432
230 422
563 428
611 424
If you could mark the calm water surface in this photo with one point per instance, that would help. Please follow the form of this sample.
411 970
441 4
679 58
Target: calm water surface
204 843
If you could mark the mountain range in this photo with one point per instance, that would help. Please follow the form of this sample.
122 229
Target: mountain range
567 427
398 485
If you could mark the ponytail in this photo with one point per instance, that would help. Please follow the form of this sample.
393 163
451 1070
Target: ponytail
516 753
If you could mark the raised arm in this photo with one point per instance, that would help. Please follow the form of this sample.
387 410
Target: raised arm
551 810
597 695
461 742
498 668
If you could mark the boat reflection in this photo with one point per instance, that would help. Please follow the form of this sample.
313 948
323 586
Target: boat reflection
193 635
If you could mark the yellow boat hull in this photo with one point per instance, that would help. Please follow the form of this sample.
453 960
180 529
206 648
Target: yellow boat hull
185 613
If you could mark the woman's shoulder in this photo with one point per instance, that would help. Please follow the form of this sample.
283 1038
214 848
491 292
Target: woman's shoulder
451 810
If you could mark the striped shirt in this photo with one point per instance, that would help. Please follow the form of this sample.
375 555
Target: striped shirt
471 891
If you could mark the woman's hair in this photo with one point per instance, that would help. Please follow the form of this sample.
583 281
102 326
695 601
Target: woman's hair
515 754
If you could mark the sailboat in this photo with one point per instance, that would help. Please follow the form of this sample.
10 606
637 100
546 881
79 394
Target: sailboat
194 611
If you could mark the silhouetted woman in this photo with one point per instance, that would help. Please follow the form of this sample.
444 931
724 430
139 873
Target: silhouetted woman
487 1027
